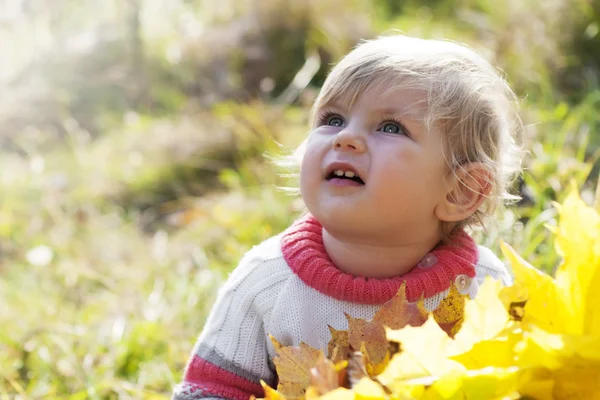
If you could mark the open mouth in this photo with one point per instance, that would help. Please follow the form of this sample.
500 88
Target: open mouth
342 174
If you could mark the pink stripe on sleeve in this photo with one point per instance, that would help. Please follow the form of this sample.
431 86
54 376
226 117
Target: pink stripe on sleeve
216 381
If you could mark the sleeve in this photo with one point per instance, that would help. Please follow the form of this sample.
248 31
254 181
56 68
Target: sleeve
230 357
489 264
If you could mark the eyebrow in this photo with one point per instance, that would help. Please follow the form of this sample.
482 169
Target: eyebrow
406 112
390 111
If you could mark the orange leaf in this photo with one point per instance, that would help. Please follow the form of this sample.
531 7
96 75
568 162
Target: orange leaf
398 312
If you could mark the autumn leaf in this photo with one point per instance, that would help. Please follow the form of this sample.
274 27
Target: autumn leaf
538 385
398 312
450 313
270 393
578 276
539 348
485 317
574 381
497 352
338 347
339 394
357 368
368 337
423 353
546 305
374 368
571 363
368 389
293 364
514 298
451 308
327 376
485 383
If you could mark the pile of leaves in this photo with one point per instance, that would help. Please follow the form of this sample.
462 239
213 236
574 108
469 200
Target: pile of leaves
537 339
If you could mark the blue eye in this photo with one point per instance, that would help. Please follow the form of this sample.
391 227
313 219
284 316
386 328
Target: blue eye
393 128
390 128
334 120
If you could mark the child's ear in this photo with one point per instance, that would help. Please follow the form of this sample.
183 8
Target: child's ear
470 186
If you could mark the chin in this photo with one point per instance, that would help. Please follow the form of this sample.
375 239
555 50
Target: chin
340 219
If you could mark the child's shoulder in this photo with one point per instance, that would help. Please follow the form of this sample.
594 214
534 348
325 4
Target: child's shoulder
263 262
268 249
489 264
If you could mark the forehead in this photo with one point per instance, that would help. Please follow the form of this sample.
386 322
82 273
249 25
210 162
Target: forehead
382 96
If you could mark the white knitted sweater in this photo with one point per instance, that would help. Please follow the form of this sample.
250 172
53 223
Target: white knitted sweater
264 296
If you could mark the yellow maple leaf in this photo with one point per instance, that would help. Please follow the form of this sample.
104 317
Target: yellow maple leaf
485 317
554 350
423 353
578 276
486 383
497 352
562 360
367 389
574 381
546 305
339 394
537 384
514 298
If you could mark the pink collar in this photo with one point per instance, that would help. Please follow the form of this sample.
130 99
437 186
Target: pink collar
303 250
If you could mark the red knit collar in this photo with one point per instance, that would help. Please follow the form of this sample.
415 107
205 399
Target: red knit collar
304 251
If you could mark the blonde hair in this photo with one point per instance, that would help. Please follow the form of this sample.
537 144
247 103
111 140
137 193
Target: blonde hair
465 97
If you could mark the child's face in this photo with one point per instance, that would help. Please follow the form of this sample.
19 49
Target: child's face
403 175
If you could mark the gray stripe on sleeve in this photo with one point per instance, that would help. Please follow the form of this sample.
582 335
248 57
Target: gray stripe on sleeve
214 357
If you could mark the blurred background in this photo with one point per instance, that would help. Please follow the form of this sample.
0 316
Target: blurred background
133 174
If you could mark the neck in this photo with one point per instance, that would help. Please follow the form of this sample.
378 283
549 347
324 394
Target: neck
304 251
375 260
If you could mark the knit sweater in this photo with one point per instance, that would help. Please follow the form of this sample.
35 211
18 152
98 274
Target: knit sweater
288 287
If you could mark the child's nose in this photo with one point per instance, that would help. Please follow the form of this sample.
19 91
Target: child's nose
349 140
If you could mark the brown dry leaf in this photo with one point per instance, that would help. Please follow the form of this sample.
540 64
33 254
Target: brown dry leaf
357 368
327 376
293 364
337 348
398 312
369 337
